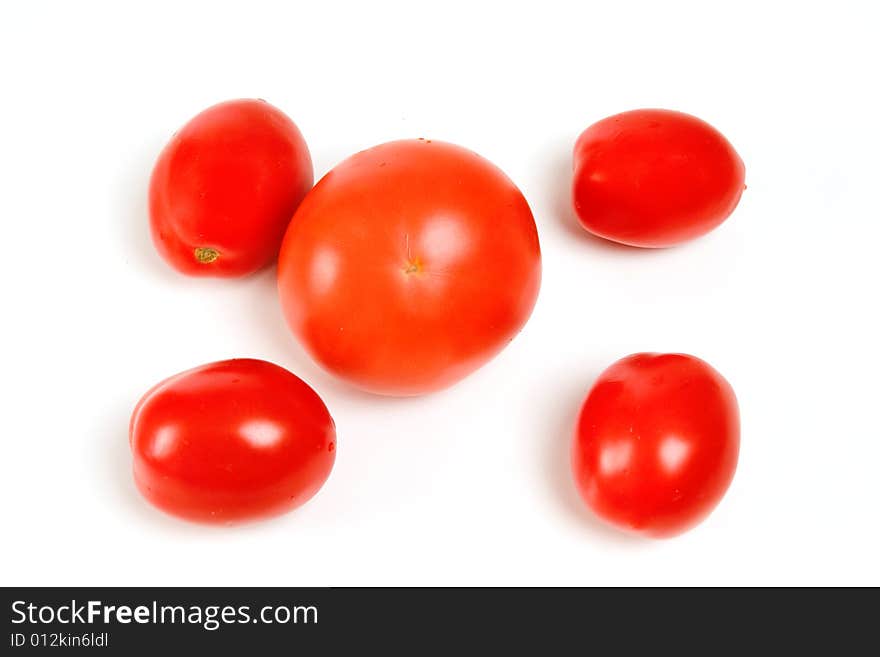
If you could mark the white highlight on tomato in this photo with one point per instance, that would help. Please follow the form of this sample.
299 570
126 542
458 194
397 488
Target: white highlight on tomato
614 458
325 267
164 441
261 433
673 453
443 242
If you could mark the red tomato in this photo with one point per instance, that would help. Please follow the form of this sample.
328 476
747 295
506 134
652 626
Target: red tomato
657 443
232 440
654 178
225 188
409 265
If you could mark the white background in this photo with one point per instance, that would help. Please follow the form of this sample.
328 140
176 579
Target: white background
471 485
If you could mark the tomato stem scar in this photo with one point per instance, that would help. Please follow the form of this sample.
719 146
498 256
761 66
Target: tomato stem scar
205 254
413 266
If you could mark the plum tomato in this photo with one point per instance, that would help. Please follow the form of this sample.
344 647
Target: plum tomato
225 187
408 266
654 178
657 443
230 441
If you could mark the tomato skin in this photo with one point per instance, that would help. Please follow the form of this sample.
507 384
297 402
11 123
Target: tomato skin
657 443
229 441
654 178
225 187
408 266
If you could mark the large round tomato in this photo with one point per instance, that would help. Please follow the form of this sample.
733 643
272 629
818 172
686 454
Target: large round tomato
654 178
409 265
657 443
232 440
225 188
